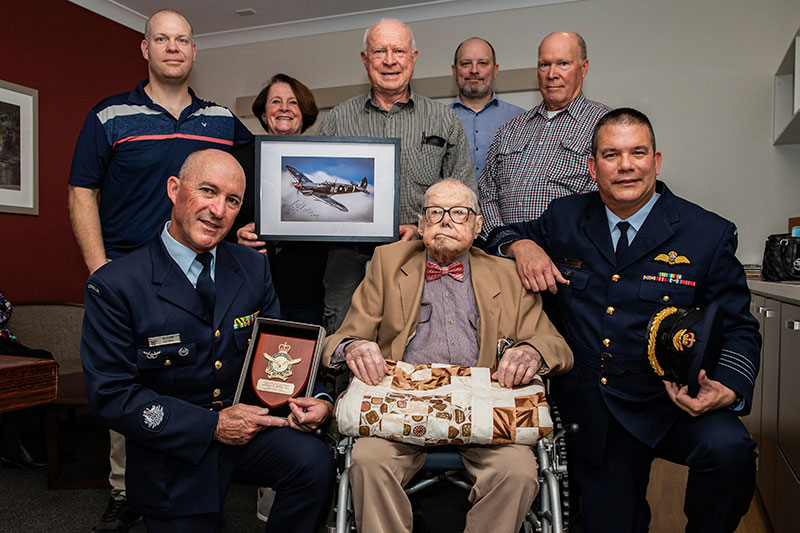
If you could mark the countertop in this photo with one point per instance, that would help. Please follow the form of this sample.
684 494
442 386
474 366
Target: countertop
785 292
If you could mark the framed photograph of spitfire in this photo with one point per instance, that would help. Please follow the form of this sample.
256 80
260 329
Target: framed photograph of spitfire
19 149
326 188
282 362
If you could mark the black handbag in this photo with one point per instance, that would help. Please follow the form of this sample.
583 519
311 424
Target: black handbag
781 258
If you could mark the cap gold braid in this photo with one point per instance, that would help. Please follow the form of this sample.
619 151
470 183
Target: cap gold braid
651 337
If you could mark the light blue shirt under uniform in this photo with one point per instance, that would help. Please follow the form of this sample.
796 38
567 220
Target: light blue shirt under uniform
186 258
480 127
635 220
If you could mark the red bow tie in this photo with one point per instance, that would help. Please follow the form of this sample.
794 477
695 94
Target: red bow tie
454 270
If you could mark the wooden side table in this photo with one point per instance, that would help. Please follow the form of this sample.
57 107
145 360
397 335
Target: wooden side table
26 382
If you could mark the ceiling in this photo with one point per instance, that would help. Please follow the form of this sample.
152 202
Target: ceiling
216 22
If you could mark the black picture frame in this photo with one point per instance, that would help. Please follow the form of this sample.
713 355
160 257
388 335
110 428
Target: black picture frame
316 188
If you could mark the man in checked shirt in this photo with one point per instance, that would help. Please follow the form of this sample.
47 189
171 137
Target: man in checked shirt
541 155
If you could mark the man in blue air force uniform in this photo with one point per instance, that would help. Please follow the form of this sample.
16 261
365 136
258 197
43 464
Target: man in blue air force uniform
620 254
164 339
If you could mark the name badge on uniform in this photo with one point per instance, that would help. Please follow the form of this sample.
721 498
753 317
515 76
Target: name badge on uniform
175 338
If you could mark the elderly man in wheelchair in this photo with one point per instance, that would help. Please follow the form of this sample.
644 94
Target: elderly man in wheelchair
440 302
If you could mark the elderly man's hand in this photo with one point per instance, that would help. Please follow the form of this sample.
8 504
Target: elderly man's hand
308 413
247 236
239 423
408 232
518 366
712 396
534 266
365 361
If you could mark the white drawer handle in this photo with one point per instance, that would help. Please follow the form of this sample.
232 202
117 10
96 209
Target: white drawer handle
793 324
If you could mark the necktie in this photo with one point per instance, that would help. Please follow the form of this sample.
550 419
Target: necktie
454 270
622 243
205 285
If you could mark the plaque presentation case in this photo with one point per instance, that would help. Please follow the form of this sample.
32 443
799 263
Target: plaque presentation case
281 362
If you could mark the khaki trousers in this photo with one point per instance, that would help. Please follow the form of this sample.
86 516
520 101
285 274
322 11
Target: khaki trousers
116 456
505 484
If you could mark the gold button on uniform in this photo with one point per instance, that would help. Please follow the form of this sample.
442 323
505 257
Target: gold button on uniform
450 322
217 392
606 342
615 278
167 362
218 364
217 334
665 298
610 310
603 381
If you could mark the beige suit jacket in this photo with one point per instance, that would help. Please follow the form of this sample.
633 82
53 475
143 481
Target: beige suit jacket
385 307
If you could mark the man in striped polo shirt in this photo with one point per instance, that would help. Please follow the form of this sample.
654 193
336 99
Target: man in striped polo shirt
129 145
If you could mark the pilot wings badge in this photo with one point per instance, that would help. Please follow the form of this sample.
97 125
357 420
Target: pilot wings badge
280 364
672 258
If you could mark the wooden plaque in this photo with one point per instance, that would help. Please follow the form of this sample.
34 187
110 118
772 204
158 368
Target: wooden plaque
281 362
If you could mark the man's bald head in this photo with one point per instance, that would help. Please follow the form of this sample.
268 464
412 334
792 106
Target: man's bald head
206 197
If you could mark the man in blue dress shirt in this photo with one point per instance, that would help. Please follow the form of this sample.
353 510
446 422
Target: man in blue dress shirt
475 69
619 255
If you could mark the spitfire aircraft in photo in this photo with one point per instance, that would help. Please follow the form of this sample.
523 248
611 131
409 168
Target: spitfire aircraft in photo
324 190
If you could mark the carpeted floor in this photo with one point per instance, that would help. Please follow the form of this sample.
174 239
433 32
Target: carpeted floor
27 506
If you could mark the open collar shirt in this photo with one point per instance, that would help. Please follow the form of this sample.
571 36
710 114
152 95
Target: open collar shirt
534 159
480 127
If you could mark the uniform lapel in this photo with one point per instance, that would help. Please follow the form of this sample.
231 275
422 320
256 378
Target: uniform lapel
227 281
175 286
596 229
655 230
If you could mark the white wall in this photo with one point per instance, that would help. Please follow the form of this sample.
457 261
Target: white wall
701 69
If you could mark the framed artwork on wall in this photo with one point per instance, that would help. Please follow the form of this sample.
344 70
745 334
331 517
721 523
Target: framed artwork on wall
327 188
19 149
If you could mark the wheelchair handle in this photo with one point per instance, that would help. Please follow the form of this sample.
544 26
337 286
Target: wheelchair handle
572 427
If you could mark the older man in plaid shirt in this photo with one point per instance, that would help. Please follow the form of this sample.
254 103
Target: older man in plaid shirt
542 154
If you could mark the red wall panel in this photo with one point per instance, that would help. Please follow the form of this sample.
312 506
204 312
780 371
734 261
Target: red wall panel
74 58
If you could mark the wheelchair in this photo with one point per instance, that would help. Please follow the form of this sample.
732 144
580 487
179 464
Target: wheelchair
550 512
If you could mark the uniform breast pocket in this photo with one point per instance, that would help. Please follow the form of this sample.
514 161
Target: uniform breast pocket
242 337
666 293
572 294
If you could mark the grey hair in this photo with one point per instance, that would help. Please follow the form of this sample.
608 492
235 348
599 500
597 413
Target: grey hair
452 181
366 33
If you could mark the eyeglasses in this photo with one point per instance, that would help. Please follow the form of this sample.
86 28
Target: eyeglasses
458 213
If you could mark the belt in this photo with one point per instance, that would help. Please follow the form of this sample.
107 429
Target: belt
608 364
